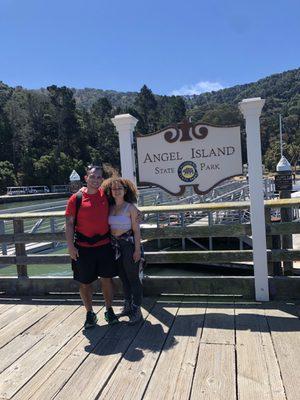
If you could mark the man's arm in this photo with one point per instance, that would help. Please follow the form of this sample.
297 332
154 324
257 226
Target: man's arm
70 238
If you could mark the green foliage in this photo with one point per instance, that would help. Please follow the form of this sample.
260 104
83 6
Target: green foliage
46 133
56 168
290 151
147 112
7 176
172 110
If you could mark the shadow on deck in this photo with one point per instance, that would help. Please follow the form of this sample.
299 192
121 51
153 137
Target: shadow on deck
186 348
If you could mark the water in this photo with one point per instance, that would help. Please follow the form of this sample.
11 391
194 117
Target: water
8 206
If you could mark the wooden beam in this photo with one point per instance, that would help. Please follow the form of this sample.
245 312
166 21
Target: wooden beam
173 257
172 232
203 207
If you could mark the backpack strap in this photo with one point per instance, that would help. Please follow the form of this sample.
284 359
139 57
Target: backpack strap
78 204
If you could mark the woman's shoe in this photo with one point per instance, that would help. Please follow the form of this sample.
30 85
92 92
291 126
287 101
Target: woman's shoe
136 315
126 310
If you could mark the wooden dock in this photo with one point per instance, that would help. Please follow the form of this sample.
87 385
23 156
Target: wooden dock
186 348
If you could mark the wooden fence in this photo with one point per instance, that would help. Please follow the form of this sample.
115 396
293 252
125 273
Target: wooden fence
273 229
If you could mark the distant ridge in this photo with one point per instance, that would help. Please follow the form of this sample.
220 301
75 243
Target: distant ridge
284 85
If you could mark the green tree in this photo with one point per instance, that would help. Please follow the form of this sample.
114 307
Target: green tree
146 109
67 127
101 108
7 176
104 140
19 126
293 153
56 168
172 110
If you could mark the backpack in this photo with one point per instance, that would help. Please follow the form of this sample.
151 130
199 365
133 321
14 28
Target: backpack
78 204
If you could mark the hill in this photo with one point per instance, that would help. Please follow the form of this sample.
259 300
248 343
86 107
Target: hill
46 133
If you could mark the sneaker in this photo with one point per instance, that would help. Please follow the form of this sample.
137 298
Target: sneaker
136 315
91 320
110 317
126 310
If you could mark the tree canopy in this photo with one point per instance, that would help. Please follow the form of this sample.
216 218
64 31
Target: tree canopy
46 133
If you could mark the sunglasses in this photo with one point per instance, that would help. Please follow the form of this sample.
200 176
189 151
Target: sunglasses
96 167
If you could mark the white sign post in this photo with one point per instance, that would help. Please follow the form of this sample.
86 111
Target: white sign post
125 124
251 110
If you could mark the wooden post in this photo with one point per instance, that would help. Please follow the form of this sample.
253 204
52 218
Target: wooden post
20 248
283 184
2 232
286 240
276 245
269 240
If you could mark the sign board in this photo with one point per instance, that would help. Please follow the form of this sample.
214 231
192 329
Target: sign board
181 155
283 181
74 176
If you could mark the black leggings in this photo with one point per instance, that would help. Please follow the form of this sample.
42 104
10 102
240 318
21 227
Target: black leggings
129 271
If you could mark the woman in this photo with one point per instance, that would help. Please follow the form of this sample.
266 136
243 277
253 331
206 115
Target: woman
126 240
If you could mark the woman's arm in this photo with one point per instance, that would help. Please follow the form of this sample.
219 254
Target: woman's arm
136 232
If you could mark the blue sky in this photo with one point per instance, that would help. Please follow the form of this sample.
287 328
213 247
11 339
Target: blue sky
172 46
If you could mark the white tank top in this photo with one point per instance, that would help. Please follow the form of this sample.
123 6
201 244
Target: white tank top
120 222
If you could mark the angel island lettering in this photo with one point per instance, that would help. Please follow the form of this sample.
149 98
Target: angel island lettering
185 154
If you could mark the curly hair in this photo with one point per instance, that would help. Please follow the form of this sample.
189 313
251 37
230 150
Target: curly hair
131 192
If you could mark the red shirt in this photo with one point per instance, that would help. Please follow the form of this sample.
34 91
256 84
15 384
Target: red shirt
92 217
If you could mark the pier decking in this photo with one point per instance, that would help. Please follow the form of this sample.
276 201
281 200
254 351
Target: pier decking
186 348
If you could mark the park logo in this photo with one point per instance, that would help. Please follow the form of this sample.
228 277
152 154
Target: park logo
187 171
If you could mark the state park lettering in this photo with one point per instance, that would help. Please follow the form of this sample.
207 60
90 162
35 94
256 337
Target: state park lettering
206 156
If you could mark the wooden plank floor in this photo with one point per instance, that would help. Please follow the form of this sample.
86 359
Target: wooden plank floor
186 348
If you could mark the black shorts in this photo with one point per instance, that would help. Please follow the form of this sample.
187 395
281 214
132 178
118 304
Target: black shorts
94 262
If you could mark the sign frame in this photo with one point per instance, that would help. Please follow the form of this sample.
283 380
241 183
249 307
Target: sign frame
185 131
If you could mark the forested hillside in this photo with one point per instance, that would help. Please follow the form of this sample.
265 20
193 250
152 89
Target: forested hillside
46 133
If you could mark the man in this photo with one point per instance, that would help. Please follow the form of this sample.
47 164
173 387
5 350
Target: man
92 255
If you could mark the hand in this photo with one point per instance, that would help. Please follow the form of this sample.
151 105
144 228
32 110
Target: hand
137 255
73 252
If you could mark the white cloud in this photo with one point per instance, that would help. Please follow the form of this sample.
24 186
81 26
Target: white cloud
197 88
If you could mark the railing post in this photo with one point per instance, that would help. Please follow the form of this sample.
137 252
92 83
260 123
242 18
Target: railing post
52 229
142 201
182 224
286 240
158 225
269 240
241 243
2 232
210 239
20 248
